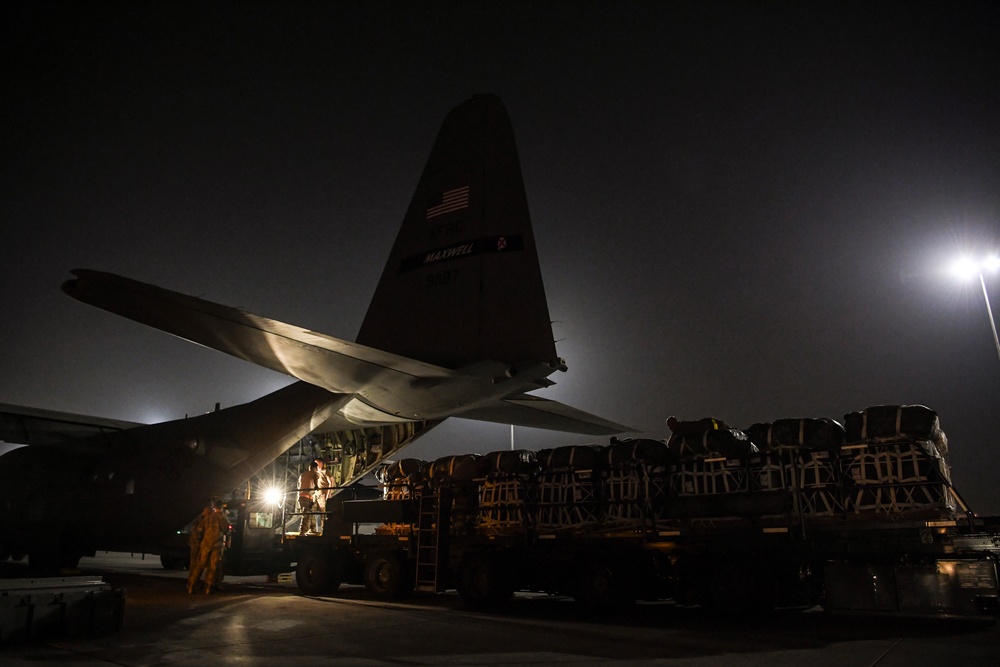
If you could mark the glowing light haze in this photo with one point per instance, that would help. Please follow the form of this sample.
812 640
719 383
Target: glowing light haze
743 210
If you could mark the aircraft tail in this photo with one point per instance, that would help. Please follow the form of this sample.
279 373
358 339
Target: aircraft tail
463 282
460 309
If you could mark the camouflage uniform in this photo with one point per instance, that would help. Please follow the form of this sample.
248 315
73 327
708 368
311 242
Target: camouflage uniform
214 528
308 484
322 494
194 537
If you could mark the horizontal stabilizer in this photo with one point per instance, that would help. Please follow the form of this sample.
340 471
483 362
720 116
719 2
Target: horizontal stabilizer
535 412
325 361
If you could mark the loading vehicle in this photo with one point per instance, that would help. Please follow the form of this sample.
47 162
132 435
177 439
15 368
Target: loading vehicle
796 512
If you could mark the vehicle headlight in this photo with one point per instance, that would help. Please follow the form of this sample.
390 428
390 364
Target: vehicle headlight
273 496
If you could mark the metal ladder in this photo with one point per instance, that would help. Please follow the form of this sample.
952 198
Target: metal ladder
432 540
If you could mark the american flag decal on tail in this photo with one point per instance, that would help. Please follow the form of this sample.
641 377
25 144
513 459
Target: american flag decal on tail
452 200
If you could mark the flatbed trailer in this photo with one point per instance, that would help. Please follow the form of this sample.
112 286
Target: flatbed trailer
871 527
907 568
911 568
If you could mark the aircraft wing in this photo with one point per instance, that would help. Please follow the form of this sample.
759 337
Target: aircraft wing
24 425
334 364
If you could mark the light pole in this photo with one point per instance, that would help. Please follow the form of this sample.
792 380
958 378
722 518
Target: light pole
966 267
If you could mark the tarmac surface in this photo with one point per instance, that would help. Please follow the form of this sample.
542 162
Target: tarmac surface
254 622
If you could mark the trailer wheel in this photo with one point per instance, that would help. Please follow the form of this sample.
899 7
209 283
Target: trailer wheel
53 561
315 573
740 588
388 577
598 587
173 562
485 581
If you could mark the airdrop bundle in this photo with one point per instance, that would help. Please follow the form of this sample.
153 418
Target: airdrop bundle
855 515
883 463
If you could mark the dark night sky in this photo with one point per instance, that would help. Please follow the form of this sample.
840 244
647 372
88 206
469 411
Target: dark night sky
742 209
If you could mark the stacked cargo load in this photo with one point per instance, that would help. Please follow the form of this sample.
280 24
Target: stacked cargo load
400 480
568 487
506 491
895 463
765 467
635 487
461 469
710 457
458 477
805 452
888 461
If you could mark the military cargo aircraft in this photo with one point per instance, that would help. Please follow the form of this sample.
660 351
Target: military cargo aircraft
458 327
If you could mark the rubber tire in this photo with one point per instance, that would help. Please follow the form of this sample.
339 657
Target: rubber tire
173 562
739 588
485 582
315 573
52 562
599 588
388 576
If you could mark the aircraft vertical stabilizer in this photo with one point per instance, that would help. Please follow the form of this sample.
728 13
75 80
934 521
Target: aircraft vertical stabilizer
463 283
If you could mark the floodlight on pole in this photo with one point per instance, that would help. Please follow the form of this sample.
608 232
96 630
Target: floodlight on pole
966 268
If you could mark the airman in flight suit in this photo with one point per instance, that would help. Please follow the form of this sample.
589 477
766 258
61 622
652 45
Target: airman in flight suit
214 528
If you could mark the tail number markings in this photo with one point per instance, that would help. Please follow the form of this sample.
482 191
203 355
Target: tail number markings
442 279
